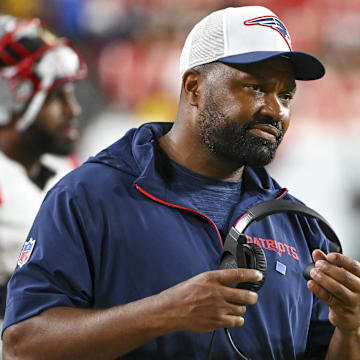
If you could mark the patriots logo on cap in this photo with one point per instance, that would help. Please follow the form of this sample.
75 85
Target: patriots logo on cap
26 252
273 23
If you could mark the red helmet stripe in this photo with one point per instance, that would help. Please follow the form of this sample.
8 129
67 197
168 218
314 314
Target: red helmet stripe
20 49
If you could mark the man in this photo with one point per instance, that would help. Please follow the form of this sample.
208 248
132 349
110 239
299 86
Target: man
37 117
125 249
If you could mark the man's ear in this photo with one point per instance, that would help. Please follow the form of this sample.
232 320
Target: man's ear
191 82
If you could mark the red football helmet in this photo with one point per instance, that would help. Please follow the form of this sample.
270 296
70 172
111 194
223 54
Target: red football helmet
33 61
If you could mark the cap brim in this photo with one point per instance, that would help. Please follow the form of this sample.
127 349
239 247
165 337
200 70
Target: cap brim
306 66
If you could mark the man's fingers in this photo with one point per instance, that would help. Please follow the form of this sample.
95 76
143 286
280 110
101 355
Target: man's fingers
240 296
239 275
318 255
323 294
335 288
340 274
236 310
344 261
231 321
340 315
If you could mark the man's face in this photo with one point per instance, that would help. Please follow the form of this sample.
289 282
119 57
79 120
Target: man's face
55 128
246 111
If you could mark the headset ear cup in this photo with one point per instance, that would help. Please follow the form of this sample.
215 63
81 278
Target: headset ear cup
260 264
255 259
228 261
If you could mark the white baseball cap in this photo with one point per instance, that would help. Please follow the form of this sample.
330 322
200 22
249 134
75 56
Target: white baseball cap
244 35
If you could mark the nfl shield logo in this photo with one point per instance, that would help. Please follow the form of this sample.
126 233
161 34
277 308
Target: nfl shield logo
26 252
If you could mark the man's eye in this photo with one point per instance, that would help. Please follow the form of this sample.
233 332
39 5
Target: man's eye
255 88
286 96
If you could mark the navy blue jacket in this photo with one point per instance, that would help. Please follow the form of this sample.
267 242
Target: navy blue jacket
112 232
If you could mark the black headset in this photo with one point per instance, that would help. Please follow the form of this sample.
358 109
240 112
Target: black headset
238 254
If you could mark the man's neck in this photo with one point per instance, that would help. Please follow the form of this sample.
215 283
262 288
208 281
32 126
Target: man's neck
38 173
14 149
188 151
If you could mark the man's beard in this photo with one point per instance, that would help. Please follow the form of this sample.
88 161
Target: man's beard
44 142
231 142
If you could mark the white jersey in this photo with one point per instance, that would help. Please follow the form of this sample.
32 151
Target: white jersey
20 200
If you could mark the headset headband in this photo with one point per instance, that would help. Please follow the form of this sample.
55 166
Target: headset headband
270 207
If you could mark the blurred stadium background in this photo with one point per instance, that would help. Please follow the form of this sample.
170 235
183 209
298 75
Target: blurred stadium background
132 48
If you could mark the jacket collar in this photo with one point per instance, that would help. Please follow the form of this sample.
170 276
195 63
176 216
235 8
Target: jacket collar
155 173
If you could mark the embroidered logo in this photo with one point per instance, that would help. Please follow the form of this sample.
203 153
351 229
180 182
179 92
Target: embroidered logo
273 245
273 23
26 252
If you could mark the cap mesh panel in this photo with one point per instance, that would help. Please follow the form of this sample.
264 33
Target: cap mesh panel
208 41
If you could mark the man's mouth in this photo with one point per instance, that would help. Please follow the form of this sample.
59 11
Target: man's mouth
265 131
70 133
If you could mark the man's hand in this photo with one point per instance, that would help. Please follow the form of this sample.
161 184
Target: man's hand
206 302
202 303
336 281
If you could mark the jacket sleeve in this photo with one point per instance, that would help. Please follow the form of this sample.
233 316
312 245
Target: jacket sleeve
58 270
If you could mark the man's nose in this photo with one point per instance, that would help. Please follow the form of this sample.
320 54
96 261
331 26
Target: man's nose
72 107
273 107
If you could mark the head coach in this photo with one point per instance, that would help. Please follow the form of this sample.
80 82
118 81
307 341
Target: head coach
123 257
